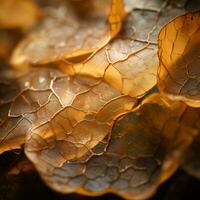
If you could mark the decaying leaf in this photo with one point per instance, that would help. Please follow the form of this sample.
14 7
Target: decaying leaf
21 14
129 63
179 54
140 153
71 29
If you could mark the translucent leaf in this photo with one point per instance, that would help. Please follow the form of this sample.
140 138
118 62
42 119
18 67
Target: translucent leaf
179 50
21 14
140 153
71 29
129 63
80 128
71 114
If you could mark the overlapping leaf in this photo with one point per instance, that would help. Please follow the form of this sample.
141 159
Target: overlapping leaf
140 153
65 121
179 50
129 63
71 114
71 29
178 74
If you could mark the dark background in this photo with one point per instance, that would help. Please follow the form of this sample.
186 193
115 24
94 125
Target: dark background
28 185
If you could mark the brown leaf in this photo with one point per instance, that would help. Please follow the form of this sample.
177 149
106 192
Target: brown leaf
140 153
70 113
80 128
129 63
70 29
179 51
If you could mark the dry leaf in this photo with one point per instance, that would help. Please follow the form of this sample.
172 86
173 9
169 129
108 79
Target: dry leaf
179 54
81 129
129 63
140 153
48 104
71 29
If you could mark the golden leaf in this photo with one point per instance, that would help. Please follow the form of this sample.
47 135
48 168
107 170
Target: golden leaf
71 29
179 50
139 154
48 104
129 63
